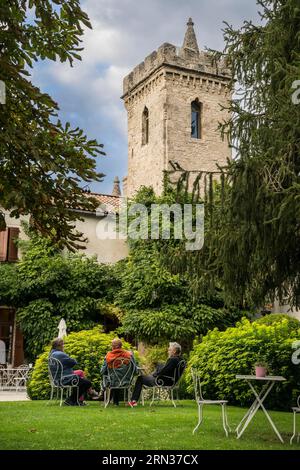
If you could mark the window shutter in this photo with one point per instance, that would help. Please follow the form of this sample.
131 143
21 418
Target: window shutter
12 246
3 245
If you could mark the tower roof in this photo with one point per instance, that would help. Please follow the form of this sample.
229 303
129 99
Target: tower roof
190 40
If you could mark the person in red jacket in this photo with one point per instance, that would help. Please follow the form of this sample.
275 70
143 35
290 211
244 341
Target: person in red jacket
111 361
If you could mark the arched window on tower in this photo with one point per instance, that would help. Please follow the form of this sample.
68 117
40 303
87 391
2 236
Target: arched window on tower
145 127
196 119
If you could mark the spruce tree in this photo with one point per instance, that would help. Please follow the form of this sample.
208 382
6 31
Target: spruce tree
259 250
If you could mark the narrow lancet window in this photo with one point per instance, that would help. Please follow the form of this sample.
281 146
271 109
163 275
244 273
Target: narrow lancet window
196 111
145 127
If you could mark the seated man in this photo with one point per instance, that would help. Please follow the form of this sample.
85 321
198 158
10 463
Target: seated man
111 361
67 362
164 372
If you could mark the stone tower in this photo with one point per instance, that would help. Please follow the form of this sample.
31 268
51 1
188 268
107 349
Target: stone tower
173 101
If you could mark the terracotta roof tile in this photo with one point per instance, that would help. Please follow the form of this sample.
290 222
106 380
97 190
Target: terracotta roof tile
111 203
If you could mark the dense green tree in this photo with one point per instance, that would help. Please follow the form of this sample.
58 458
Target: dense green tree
260 243
158 304
42 161
252 229
181 322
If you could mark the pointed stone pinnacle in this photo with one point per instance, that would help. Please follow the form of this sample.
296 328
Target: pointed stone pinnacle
116 188
190 40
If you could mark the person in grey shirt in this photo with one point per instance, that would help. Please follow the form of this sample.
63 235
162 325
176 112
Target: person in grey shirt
166 373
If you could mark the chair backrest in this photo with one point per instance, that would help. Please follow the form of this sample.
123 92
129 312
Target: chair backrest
55 369
121 372
179 371
22 372
298 401
197 384
171 381
57 376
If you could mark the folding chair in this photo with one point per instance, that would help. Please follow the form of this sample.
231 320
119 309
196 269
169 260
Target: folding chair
201 402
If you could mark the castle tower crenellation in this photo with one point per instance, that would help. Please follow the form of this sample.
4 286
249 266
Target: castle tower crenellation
168 54
174 101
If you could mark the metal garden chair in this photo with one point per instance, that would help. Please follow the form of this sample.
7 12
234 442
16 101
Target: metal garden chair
295 410
119 377
59 381
21 376
169 384
201 402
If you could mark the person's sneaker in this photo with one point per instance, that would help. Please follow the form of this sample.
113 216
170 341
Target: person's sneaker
82 403
132 403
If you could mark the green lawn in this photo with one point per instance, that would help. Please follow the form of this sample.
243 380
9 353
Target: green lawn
34 425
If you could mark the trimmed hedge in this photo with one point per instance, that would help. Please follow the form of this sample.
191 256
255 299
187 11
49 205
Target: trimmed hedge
88 347
222 355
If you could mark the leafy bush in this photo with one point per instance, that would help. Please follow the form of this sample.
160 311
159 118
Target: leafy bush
145 283
87 347
222 355
8 285
273 318
177 322
39 324
154 355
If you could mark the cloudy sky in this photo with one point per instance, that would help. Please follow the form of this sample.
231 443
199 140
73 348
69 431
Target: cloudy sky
124 33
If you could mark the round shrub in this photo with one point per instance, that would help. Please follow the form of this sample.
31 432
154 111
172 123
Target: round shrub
88 347
273 318
222 355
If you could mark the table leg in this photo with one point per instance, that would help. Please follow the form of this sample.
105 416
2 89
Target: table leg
251 410
246 416
255 406
260 402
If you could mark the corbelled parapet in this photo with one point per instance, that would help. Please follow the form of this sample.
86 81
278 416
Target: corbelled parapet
187 57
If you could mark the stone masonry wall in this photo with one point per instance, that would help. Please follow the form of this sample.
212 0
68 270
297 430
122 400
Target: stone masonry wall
145 162
191 153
